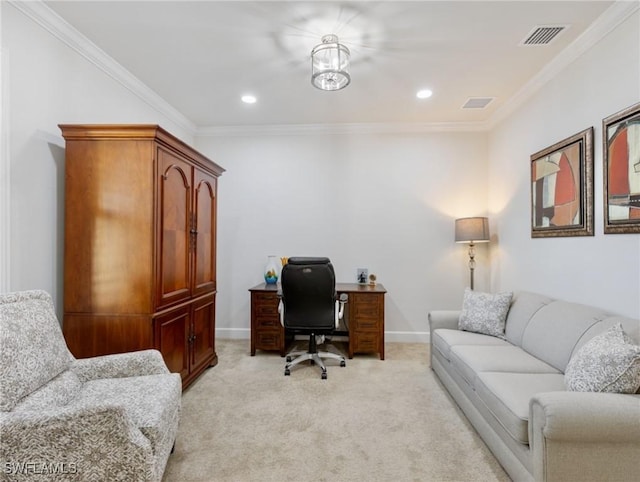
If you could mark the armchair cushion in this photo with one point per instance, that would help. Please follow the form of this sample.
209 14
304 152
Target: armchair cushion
32 348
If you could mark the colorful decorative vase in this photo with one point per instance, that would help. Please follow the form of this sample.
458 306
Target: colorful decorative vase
271 271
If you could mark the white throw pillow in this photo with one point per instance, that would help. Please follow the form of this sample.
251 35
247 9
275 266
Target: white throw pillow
609 362
484 313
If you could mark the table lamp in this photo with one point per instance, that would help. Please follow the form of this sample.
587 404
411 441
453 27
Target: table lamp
472 230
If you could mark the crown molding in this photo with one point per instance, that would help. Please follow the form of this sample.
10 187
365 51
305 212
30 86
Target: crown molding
44 16
338 129
603 25
38 11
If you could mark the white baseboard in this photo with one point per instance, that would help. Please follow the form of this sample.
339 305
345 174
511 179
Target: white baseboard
233 333
407 336
393 336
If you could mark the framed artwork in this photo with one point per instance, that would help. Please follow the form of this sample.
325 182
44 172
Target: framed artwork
562 188
621 166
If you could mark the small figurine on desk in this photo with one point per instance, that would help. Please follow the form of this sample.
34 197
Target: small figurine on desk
372 279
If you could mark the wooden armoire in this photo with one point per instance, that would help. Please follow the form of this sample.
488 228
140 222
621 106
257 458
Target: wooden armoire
140 245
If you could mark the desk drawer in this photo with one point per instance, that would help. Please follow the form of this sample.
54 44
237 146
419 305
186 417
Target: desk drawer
365 342
265 304
267 322
366 312
269 340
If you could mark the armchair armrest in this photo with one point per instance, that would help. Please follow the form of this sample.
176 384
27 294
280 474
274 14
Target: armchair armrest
584 436
137 363
443 319
97 442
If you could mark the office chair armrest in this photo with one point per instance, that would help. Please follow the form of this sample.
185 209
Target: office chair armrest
340 302
281 309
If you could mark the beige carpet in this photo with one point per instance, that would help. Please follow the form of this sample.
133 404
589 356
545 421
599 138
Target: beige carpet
372 420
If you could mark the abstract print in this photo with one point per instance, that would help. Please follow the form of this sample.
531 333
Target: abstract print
562 188
623 146
556 188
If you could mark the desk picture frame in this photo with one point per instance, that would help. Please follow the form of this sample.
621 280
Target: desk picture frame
562 188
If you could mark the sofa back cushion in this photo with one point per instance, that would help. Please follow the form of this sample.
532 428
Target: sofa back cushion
555 329
523 306
32 348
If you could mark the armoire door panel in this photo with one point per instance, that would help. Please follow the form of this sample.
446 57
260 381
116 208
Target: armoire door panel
203 332
172 339
174 225
205 233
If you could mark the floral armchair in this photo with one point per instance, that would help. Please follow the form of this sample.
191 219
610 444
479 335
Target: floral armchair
112 417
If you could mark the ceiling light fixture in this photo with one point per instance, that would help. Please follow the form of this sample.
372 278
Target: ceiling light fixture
330 64
424 94
248 99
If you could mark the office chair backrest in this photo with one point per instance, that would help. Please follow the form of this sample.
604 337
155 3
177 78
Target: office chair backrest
308 294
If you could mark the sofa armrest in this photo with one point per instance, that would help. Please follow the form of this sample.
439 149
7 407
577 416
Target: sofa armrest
97 443
443 319
132 364
584 436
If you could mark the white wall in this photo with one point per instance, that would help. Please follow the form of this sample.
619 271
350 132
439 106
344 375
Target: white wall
603 270
48 83
386 202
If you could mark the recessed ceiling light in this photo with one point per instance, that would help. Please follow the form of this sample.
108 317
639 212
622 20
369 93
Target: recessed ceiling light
249 99
424 94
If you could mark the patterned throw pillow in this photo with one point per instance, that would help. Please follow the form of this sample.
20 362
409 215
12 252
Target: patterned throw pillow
609 362
484 313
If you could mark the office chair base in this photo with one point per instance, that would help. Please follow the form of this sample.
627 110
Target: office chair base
315 358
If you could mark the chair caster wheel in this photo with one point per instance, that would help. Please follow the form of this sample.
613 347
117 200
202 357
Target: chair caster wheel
288 358
343 363
287 372
324 375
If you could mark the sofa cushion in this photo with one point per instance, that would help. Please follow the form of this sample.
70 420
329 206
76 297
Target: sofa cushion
33 348
151 401
469 360
524 306
507 397
484 312
443 339
567 322
609 362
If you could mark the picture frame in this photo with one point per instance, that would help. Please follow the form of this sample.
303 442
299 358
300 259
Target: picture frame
621 171
562 188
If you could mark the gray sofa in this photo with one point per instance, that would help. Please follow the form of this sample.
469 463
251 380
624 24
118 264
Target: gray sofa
112 417
513 392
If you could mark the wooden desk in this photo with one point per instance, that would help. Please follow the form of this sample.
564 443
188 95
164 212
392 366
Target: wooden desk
363 318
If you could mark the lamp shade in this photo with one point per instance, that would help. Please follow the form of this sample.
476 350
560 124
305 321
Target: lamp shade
472 230
330 64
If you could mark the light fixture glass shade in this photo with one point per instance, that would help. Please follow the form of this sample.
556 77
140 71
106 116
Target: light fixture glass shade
330 64
472 230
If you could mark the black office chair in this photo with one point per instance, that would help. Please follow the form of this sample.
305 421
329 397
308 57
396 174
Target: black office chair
308 305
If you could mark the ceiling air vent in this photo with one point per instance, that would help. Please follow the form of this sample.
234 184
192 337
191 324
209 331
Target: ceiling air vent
543 35
477 102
